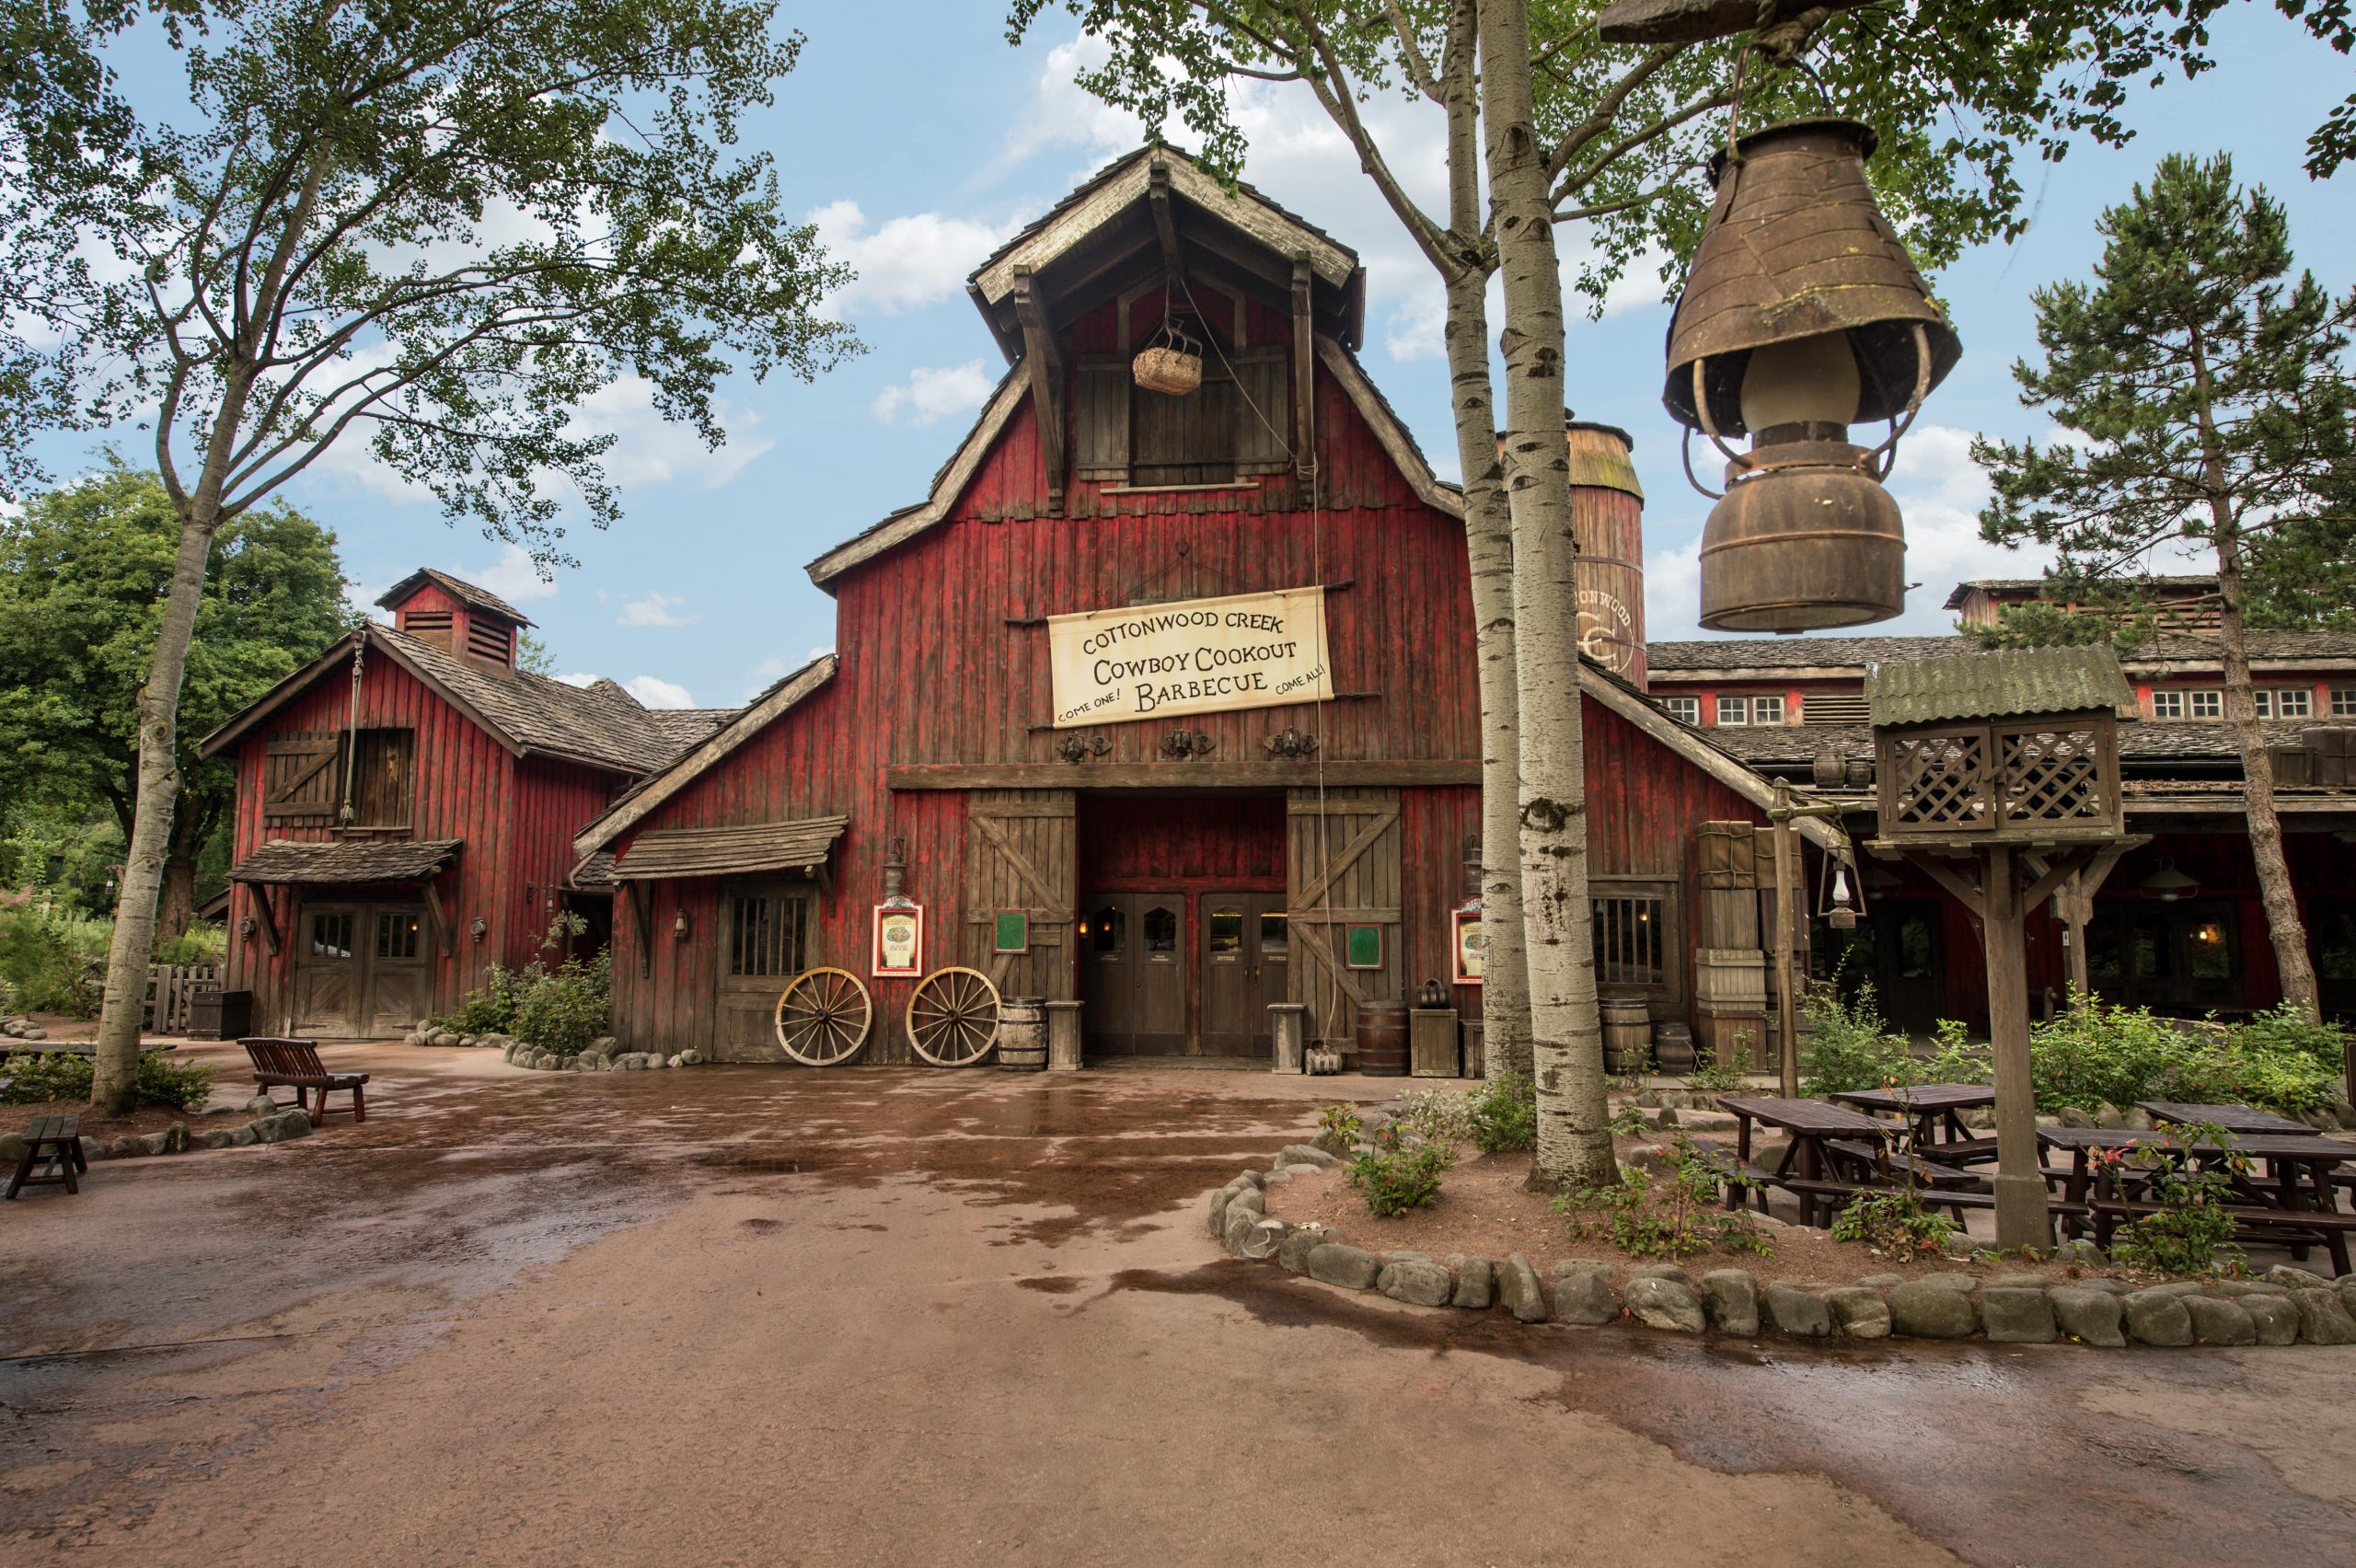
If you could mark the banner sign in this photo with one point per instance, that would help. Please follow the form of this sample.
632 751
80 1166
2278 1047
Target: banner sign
1192 656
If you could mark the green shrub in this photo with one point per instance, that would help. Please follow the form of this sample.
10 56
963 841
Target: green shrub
183 1086
1844 1047
1395 1177
1338 1127
1504 1114
203 942
1437 1115
1673 1217
59 1075
1893 1223
490 1007
54 963
2290 1031
561 1011
2193 1233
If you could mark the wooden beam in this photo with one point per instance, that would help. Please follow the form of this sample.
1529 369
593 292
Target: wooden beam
641 908
1304 372
1044 373
2023 1219
2051 877
1172 775
1965 893
265 918
435 915
1165 228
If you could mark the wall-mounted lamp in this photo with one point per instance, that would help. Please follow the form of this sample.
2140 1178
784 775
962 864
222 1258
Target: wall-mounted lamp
247 927
480 930
679 926
1074 748
1290 742
1187 742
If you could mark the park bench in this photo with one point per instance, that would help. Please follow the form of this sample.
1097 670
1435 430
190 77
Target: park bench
296 1064
54 1144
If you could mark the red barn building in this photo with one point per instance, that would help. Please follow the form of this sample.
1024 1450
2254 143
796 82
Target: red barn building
1247 777
406 806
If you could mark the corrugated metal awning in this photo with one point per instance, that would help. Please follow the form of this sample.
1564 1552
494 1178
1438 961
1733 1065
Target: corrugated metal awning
2021 682
345 862
729 852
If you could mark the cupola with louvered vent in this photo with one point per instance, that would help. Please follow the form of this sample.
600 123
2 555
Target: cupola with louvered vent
456 616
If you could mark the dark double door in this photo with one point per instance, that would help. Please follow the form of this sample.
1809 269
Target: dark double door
1178 973
363 970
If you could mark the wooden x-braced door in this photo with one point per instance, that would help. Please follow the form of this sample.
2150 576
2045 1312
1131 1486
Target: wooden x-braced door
1342 872
1020 847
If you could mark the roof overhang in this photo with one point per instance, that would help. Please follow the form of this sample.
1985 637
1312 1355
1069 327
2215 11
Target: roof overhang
345 862
244 722
738 850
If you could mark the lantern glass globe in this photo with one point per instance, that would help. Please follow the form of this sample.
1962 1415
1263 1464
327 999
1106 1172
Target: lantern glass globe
1806 381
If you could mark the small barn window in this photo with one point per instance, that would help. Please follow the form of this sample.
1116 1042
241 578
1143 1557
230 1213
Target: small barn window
397 934
767 934
1237 424
384 767
1630 936
1684 709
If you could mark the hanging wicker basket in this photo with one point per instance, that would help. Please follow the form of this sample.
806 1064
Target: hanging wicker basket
1173 365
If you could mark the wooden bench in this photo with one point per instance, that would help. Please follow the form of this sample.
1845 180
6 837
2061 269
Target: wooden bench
296 1064
53 1143
2295 1228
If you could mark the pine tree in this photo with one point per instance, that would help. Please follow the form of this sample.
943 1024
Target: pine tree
2209 408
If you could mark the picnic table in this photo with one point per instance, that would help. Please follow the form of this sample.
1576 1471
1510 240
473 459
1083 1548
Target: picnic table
1813 1163
2293 1200
1933 1110
2233 1118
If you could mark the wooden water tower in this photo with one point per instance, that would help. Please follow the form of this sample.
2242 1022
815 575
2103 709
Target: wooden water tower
1999 777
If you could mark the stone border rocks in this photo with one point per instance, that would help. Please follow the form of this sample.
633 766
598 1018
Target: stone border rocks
22 1027
600 1057
2288 1306
266 1123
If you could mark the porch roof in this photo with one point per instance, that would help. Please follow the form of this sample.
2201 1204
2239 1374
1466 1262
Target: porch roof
345 862
729 852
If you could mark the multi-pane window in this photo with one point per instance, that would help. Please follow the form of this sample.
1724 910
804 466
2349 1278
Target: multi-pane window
1105 931
2210 703
1766 709
331 935
1687 709
2168 705
768 934
1733 710
395 935
2284 702
2343 702
1629 937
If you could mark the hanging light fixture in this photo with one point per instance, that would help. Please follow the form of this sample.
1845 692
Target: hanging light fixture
1803 315
2169 885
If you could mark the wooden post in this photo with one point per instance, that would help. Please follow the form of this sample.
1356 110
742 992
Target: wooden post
2075 905
1787 1006
2022 1218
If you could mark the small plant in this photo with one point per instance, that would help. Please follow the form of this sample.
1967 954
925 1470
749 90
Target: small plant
1674 1218
1437 1115
59 1075
2193 1233
490 1007
1504 1114
182 1087
1844 1047
1396 1177
1338 1127
1893 1223
563 1011
1714 1076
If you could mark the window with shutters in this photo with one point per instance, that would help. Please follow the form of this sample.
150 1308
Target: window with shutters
1236 425
383 782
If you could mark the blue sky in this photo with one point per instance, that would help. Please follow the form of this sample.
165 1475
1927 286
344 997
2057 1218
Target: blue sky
918 139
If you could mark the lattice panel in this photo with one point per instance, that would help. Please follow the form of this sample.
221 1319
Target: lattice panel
2051 776
1942 780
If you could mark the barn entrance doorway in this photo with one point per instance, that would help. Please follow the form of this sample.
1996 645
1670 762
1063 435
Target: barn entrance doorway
1184 936
362 971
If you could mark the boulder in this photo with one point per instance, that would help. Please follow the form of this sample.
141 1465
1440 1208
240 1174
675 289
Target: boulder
2078 1249
2016 1314
2073 1117
1661 1271
444 1038
603 1044
1881 1281
2090 1317
2219 1323
1797 1312
1929 1309
1858 1312
1476 1282
176 1138
1583 1293
217 1137
33 1032
2014 1282
124 1148
2157 1316
2273 1318
680 1060
468 1041
1305 1154
2138 1118
1219 1200
1730 1296
1958 1244
2111 1117
2348 1292
1659 1302
1264 1238
1293 1251
1415 1282
1251 1201
691 1059
2322 1319
2296 1278
12 1150
261 1105
1965 1283
151 1143
2237 1288
1517 1288
1352 1268
244 1136
1240 1221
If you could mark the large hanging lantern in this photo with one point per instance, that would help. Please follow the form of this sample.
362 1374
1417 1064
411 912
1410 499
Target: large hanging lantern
1803 315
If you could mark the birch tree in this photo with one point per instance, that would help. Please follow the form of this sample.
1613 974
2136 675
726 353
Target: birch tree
431 226
2210 396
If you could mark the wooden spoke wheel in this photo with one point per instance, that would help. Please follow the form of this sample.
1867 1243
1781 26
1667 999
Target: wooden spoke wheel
953 1017
823 1016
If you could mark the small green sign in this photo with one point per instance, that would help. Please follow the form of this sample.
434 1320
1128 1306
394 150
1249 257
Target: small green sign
1364 946
1013 934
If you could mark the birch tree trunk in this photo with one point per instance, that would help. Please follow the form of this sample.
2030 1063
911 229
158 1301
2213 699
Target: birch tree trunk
1567 1044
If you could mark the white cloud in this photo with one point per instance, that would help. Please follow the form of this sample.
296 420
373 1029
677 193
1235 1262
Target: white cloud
514 577
577 678
649 449
655 692
933 394
657 609
903 263
362 597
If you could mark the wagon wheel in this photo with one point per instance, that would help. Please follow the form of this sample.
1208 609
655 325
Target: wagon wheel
953 1017
824 1016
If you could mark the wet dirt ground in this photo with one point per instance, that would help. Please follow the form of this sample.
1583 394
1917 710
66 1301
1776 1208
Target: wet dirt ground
749 1316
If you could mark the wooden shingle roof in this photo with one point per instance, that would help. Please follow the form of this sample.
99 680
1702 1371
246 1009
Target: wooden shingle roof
344 863
463 591
2024 681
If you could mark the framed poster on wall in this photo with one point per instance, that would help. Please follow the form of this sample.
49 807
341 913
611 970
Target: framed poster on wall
1362 947
899 940
1466 949
1011 931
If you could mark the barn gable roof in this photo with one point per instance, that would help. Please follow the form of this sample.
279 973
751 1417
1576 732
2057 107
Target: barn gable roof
601 725
649 793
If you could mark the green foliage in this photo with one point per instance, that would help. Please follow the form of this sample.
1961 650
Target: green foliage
1438 1115
204 942
490 1007
559 1009
1339 1126
2193 1233
1396 1176
1714 1076
54 963
1893 1223
58 1075
2126 625
1504 1114
2291 1031
1674 1216
1843 1046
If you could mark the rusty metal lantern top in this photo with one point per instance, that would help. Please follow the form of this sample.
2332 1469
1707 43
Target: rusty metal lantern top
1795 249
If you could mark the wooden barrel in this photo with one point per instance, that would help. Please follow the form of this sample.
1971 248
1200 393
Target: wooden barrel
1023 1034
1383 1038
1627 1035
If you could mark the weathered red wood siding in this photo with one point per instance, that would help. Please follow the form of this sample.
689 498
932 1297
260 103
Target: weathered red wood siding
514 818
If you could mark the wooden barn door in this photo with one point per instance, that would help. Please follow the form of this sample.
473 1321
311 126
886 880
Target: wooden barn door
1020 847
327 972
1342 870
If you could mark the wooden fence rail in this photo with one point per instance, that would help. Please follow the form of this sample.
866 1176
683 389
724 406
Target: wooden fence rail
170 988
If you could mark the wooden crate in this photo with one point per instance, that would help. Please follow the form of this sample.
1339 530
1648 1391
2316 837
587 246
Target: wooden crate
1431 1042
